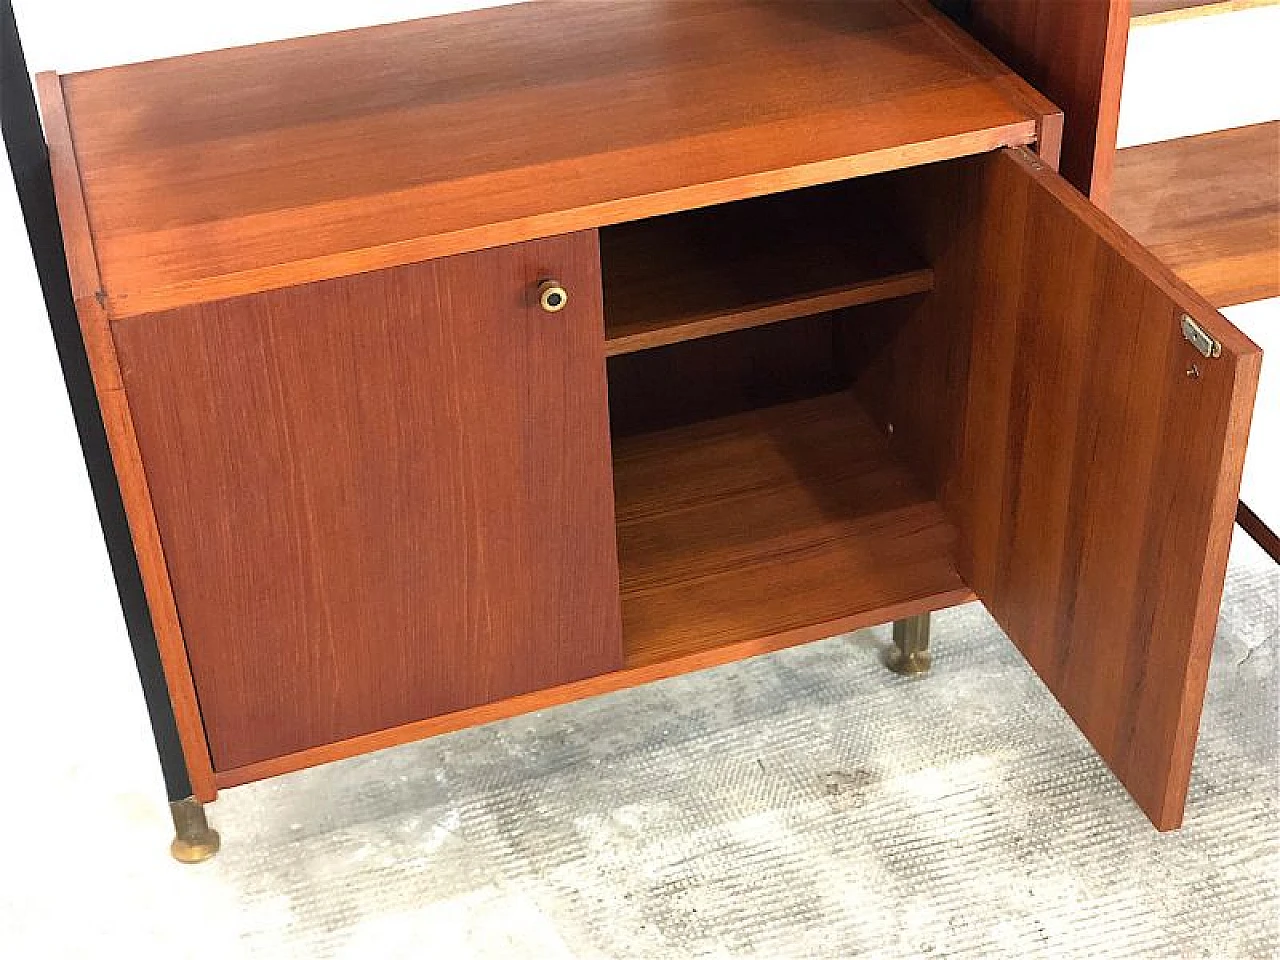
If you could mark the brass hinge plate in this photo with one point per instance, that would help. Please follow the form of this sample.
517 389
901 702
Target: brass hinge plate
1200 338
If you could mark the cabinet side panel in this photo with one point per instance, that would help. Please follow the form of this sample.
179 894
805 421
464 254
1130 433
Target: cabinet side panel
384 498
102 413
1072 52
1089 456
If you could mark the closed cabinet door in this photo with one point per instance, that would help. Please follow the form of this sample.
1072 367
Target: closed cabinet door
385 497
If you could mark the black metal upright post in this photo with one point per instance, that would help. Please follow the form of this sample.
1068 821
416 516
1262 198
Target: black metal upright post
29 156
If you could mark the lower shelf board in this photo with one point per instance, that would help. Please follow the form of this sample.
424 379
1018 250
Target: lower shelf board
771 528
737 537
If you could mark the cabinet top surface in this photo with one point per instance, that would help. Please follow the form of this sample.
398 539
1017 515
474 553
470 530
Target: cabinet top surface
224 173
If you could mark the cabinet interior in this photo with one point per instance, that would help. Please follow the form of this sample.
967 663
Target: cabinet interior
759 495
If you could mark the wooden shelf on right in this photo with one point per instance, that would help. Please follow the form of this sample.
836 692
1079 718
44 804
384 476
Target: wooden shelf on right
1209 207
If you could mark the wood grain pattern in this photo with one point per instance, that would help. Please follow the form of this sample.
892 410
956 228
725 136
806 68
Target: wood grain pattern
1049 119
793 520
229 172
740 537
1074 53
554 696
1091 479
118 423
681 277
385 497
1209 207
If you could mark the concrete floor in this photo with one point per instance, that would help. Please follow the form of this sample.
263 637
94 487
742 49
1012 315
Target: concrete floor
804 804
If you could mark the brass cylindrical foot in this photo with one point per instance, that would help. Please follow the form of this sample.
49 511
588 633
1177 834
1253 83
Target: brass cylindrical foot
194 840
910 656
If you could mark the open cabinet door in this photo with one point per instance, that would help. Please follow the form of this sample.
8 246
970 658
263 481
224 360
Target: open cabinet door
1099 470
1088 453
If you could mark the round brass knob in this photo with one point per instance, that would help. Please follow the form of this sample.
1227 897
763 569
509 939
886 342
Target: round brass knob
551 296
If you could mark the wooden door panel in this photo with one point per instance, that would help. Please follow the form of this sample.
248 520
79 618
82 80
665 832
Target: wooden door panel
382 498
1089 456
1097 512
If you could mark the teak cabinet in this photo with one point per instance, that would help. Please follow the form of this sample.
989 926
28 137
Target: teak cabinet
382 497
524 365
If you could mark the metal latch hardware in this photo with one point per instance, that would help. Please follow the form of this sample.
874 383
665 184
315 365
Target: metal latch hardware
1200 338
1031 159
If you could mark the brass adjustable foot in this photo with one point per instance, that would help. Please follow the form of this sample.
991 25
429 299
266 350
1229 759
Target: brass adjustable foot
910 656
194 840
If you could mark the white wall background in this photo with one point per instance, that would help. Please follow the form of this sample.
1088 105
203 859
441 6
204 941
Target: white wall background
1200 74
69 35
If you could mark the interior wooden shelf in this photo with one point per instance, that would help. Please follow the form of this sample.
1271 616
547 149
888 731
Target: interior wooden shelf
698 274
1209 207
770 528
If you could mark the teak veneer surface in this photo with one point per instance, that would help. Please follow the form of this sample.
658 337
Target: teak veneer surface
1074 52
789 522
1087 454
384 497
229 172
739 536
1209 207
684 276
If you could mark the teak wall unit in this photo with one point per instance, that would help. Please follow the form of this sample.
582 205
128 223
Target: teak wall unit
529 364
